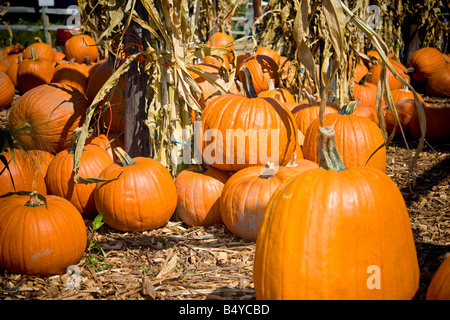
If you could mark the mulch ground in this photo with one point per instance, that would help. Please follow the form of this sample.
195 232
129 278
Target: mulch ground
177 262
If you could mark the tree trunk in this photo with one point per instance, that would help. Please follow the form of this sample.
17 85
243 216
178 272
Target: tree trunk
136 137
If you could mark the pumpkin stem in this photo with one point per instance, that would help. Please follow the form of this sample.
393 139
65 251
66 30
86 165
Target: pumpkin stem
269 170
72 61
349 108
34 200
310 97
271 84
33 55
73 143
410 70
88 61
124 157
329 158
200 168
249 89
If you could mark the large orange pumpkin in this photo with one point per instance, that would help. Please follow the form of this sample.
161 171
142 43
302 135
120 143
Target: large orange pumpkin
59 178
39 50
357 139
45 117
33 72
72 74
39 239
424 62
241 131
199 191
336 233
143 196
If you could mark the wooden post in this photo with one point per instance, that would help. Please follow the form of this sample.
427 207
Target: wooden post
256 9
46 23
136 137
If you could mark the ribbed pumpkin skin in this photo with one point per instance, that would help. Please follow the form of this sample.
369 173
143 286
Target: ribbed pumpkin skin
143 198
356 139
33 73
439 288
322 230
244 198
42 50
406 111
25 172
438 84
40 241
7 91
394 83
80 47
45 117
367 94
426 61
367 112
306 113
198 196
262 68
72 74
235 112
437 119
59 178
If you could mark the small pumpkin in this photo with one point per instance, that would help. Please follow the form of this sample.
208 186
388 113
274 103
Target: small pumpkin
40 239
366 92
394 83
270 53
7 92
33 72
72 74
333 233
261 68
39 50
438 84
109 143
280 94
143 196
403 94
439 288
406 111
199 191
81 46
424 62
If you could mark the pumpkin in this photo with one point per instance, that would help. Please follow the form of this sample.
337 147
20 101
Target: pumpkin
24 173
59 56
239 130
366 92
406 111
209 91
143 196
218 61
8 91
199 191
39 239
245 196
12 66
39 50
44 117
335 233
33 72
42 159
356 137
60 181
287 71
307 112
438 84
240 58
439 288
295 166
424 62
437 123
403 94
79 47
72 74
280 94
369 112
261 68
394 83
270 53
221 40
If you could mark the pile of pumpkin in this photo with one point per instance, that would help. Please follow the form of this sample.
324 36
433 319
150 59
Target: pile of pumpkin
322 216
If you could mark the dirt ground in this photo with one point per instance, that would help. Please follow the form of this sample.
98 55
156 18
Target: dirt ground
177 262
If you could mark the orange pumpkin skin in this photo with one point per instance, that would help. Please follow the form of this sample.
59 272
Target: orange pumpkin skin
307 245
12 65
244 198
439 288
297 166
44 118
59 178
198 196
367 112
280 94
356 138
80 47
237 114
426 61
42 159
7 91
109 143
72 74
221 40
37 240
25 172
394 83
403 94
144 197
406 111
366 92
438 84
306 113
270 53
42 51
437 123
262 68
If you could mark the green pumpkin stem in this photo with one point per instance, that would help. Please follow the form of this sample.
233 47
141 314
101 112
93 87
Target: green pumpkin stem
124 157
329 158
349 107
34 200
249 89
